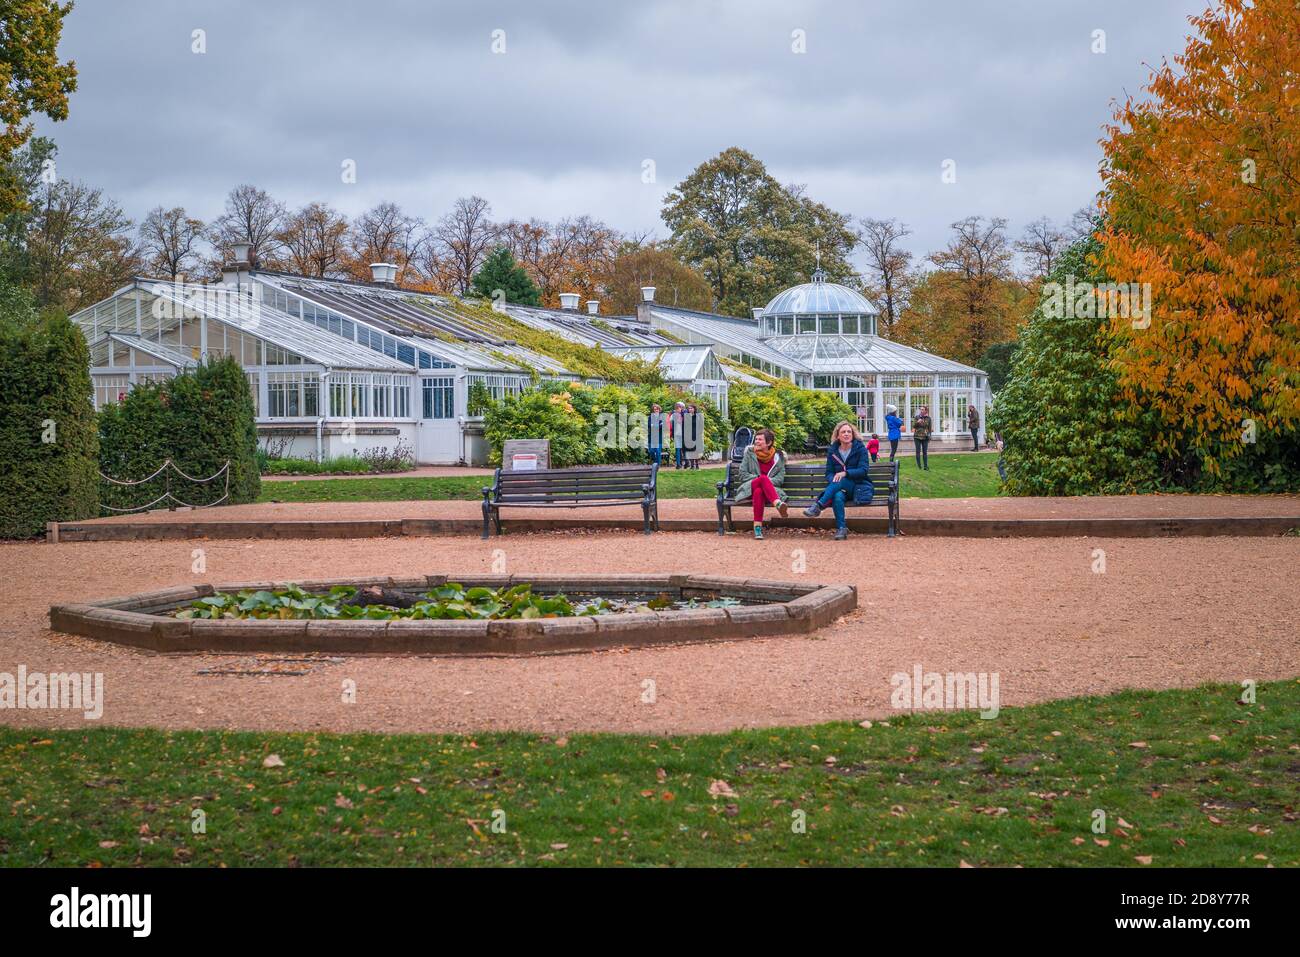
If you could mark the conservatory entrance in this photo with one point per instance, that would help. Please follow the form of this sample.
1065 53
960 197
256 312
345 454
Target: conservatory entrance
437 436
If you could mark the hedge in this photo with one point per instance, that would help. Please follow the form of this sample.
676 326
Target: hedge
198 419
48 445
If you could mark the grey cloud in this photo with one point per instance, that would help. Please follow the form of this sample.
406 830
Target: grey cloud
586 91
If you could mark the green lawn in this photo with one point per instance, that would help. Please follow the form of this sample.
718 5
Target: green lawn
930 789
953 475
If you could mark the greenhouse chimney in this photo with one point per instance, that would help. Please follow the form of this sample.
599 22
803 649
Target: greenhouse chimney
383 274
238 272
569 301
643 307
593 307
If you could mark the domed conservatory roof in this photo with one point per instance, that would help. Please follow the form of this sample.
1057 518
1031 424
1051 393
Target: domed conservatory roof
819 298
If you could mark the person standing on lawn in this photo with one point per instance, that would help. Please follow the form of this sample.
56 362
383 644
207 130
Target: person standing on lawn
895 426
973 420
873 447
846 465
694 438
762 473
921 428
676 433
655 433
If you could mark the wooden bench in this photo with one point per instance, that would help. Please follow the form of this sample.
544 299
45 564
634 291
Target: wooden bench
804 482
573 488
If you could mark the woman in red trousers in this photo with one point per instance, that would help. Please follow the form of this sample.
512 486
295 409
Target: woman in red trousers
762 473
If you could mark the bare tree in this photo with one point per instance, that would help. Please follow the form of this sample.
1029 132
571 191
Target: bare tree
889 267
1042 243
252 216
1083 223
315 239
170 241
383 234
979 257
465 236
574 255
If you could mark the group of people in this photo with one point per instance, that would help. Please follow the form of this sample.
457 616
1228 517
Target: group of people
681 430
762 475
762 467
922 429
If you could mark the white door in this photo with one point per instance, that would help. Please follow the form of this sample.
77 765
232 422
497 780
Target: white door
438 434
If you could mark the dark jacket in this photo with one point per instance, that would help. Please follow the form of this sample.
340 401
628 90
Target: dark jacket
656 430
972 417
855 465
921 427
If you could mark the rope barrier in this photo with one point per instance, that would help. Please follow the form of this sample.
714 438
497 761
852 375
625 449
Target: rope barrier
167 495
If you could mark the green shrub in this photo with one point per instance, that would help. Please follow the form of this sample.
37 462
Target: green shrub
794 414
539 414
198 419
571 416
1065 429
48 445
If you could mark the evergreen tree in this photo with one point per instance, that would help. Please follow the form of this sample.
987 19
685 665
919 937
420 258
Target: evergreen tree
48 444
500 271
1066 431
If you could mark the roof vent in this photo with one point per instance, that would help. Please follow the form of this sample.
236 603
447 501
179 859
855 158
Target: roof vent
758 313
241 251
383 274
647 293
569 301
593 307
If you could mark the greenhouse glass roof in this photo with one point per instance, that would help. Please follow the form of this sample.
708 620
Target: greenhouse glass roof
810 353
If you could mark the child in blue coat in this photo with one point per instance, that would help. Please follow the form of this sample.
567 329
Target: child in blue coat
895 425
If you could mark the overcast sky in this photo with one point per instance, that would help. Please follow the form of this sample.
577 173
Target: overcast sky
563 121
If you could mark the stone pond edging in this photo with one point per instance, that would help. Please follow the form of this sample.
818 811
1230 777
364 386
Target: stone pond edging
141 620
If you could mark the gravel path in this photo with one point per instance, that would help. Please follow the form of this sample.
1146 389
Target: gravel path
1166 612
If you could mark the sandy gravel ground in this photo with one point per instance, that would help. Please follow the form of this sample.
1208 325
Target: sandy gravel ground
1166 612
1096 506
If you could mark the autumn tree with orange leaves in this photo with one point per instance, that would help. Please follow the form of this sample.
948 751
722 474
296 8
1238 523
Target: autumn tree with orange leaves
1202 201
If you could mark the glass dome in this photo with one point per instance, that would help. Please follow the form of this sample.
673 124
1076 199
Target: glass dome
818 298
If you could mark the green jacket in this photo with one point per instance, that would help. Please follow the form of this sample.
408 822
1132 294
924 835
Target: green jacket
749 471
921 426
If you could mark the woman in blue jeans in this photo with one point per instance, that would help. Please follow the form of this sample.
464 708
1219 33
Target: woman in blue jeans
846 465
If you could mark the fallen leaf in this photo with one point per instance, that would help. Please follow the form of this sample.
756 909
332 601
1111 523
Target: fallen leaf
1143 858
720 788
341 801
1137 744
1101 842
272 761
